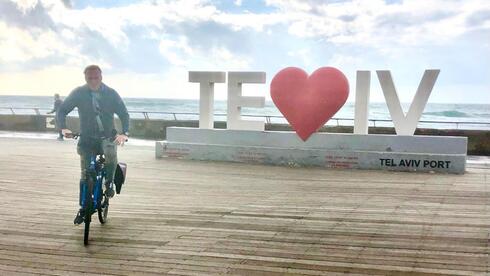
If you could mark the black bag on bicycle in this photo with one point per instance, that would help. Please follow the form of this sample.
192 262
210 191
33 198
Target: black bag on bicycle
120 176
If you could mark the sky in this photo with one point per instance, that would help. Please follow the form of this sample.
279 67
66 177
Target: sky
147 48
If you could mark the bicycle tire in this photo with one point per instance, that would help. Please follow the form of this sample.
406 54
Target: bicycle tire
88 209
86 231
103 210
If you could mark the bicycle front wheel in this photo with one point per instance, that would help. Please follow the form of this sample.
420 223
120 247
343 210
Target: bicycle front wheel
87 230
88 209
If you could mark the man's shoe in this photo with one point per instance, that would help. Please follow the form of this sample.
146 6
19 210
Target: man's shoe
80 217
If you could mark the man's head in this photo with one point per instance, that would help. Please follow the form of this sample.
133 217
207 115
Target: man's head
56 96
93 76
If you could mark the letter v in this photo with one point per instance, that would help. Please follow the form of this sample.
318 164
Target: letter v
406 125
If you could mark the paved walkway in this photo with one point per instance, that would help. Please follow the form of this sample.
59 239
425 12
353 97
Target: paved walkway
197 218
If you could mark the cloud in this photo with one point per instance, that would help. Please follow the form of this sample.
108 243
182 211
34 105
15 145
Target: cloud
379 24
252 21
26 5
153 40
25 15
21 45
109 33
304 54
401 19
478 18
117 36
209 35
180 53
67 3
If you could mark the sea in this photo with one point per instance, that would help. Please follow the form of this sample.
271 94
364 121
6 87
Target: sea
435 115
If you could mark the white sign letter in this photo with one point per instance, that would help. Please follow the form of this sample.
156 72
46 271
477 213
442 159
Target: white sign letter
406 125
363 82
236 101
206 99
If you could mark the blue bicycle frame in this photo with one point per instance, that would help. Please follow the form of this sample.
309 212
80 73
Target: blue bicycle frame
95 169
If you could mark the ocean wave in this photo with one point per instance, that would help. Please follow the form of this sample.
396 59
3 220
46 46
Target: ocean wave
483 115
448 113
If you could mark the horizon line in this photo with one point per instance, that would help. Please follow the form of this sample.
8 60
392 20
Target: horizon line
267 100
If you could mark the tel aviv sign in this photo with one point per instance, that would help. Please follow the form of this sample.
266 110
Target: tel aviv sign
308 102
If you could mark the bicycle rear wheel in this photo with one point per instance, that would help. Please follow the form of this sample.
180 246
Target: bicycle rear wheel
103 210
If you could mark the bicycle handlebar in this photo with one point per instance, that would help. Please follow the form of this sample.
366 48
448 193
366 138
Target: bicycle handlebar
76 135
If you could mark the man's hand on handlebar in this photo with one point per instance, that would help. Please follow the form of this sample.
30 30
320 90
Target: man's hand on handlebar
67 133
120 139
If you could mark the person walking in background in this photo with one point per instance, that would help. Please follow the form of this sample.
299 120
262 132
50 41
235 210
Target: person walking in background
57 103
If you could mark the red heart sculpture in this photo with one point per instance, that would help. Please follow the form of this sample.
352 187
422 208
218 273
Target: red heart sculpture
309 102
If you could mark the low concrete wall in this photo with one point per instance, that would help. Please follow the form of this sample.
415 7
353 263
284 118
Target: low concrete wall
478 140
23 122
331 150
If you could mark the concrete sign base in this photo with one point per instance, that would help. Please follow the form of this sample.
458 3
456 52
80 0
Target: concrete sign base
331 150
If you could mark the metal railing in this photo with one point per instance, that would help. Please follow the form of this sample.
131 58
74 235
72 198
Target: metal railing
268 118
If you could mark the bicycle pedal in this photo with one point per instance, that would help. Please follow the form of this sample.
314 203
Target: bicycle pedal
79 219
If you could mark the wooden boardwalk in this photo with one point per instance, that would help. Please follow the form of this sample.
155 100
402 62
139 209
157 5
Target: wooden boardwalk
204 218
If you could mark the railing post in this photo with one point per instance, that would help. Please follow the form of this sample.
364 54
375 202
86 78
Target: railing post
11 109
145 114
37 111
374 123
175 117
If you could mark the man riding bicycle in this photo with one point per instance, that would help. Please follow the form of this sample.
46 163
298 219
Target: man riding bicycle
96 103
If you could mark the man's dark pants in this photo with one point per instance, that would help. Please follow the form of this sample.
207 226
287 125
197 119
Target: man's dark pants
109 149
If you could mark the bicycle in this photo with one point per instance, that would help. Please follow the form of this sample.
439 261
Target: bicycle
92 195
